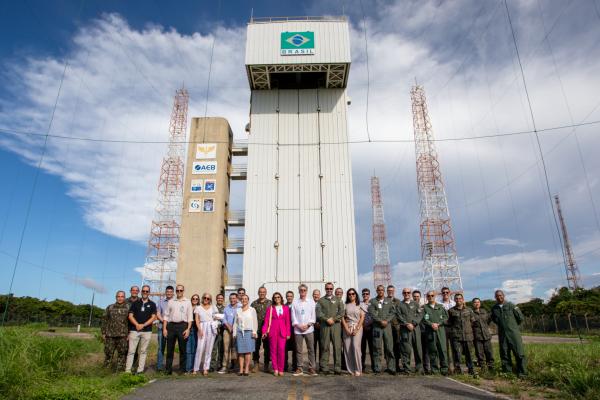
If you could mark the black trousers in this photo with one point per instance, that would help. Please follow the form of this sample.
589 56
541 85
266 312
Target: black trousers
367 340
290 345
175 333
459 348
266 352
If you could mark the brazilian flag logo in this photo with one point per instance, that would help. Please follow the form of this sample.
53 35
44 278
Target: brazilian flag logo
297 43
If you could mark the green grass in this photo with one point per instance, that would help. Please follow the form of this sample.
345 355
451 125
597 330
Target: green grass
565 371
572 368
37 367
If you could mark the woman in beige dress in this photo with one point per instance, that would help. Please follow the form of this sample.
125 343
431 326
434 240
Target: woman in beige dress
352 324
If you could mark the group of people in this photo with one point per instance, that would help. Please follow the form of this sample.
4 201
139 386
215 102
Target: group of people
411 335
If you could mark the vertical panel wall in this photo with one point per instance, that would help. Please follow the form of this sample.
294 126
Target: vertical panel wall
299 206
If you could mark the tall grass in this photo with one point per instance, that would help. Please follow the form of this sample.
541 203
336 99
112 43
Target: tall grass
572 368
33 366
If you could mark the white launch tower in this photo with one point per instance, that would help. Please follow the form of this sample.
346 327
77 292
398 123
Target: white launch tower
299 203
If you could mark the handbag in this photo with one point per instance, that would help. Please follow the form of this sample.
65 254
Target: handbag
270 320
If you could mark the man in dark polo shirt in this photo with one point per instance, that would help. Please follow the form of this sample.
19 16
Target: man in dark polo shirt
142 314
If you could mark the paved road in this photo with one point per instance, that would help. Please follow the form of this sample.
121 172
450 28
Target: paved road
265 387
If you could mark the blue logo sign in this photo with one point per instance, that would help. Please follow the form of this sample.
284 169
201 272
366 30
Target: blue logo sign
209 186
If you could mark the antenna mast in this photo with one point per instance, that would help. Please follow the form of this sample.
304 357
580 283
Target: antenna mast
573 276
440 262
381 269
163 245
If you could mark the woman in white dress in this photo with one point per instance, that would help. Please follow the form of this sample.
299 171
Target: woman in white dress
204 316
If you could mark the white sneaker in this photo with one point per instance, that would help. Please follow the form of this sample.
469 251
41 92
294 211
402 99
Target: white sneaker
222 371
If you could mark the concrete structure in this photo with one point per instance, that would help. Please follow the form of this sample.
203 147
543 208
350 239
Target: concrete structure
299 204
203 237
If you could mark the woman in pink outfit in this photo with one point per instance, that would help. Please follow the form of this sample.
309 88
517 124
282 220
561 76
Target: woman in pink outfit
277 328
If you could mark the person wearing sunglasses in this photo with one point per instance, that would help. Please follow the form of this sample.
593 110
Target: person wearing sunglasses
330 312
352 324
435 317
276 328
192 341
177 324
448 303
382 310
409 315
303 320
207 330
142 314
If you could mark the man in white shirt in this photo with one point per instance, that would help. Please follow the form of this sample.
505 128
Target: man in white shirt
303 321
447 301
177 324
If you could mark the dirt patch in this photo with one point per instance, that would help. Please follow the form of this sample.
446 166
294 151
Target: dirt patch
72 335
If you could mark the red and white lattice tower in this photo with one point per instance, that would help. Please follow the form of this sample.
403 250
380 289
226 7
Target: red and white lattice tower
572 270
163 244
381 269
440 262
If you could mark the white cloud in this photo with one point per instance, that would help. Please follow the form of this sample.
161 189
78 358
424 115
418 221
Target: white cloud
504 242
89 283
518 290
549 293
153 271
119 85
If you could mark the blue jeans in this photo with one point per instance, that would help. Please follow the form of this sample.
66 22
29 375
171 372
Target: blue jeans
162 344
190 350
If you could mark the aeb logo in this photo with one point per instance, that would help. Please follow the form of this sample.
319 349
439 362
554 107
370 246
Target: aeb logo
204 167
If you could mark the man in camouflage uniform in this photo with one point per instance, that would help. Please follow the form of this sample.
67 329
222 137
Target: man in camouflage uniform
115 331
460 325
260 305
508 317
218 350
409 315
330 311
434 318
482 337
382 311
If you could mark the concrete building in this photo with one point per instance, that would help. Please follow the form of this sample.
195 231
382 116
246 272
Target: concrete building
299 205
202 263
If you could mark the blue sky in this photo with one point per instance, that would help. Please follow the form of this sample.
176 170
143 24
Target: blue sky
93 201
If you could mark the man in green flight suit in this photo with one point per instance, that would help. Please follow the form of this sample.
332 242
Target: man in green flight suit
391 296
435 317
330 311
115 330
408 313
382 310
508 317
